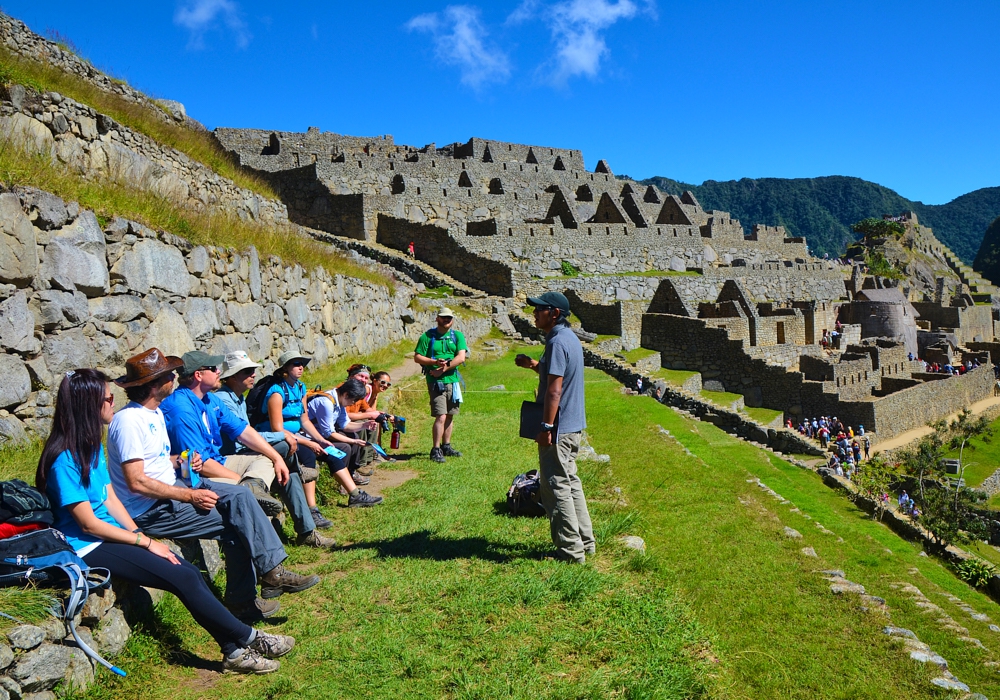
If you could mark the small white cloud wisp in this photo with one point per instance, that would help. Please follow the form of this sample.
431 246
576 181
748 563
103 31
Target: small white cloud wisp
577 31
200 16
460 39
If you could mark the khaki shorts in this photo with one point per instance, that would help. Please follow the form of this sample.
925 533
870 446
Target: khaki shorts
441 403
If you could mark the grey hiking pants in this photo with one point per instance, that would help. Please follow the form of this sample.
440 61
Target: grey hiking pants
562 497
248 539
294 496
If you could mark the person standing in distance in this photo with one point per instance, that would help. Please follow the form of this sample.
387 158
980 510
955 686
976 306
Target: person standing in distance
439 352
560 391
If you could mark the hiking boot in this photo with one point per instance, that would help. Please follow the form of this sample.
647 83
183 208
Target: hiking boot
360 479
360 499
448 451
254 610
314 539
365 471
268 503
280 580
249 661
437 455
321 522
272 646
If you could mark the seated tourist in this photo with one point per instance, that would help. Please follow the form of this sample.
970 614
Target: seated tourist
74 474
197 420
328 412
238 377
363 410
286 410
161 505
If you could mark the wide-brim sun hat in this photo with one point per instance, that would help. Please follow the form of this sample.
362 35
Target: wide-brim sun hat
236 362
290 356
147 366
445 312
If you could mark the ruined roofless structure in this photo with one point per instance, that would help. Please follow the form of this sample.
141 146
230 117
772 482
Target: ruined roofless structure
496 215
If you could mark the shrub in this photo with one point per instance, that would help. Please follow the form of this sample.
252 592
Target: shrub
975 571
569 269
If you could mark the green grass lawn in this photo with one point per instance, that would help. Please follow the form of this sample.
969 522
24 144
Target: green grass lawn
438 593
673 376
638 354
981 457
722 398
763 415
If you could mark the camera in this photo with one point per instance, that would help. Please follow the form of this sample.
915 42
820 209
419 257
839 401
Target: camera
390 422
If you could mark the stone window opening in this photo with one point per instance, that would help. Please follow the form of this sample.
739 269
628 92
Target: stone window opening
522 168
510 232
272 147
780 328
504 166
433 164
607 230
444 192
359 164
496 186
470 193
418 190
398 185
552 231
531 232
392 166
590 231
515 196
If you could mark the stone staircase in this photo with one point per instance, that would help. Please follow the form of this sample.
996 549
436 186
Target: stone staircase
981 288
415 269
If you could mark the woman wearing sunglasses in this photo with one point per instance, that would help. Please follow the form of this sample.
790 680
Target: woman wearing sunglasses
74 474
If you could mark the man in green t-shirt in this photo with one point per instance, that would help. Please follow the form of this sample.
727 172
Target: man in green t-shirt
440 351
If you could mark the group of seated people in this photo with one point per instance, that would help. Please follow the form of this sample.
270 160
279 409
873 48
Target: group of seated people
956 369
187 463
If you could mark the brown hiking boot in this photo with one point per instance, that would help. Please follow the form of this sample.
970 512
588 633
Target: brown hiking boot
268 503
280 580
254 610
314 539
271 646
249 661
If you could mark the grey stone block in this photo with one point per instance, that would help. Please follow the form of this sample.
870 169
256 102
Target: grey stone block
18 254
42 667
17 325
112 633
67 350
15 384
78 252
120 308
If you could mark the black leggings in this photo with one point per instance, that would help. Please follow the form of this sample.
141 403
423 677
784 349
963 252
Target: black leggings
141 566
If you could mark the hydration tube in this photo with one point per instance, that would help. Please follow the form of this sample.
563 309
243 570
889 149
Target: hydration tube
81 590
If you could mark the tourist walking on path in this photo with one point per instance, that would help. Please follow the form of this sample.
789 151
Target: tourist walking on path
561 393
439 352
74 474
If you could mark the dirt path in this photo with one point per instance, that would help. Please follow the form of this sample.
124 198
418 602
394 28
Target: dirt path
912 435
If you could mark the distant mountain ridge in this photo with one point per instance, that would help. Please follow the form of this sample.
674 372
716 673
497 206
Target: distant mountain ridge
823 208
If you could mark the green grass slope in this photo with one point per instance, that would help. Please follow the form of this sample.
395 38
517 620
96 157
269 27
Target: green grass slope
438 593
823 208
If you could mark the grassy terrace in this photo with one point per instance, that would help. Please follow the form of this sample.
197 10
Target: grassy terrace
638 354
109 198
439 594
198 145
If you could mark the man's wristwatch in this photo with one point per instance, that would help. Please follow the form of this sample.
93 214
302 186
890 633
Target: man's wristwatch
548 426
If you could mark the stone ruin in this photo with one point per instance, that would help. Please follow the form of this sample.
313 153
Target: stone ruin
747 310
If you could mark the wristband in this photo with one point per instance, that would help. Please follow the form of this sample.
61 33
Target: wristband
548 426
138 537
149 542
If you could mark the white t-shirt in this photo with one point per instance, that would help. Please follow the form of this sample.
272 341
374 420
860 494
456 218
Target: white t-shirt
138 433
327 414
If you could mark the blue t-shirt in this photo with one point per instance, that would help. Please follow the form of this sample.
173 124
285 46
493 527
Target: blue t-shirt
563 357
199 424
64 487
292 405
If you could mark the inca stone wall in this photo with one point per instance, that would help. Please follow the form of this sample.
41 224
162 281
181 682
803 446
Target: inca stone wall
94 145
75 295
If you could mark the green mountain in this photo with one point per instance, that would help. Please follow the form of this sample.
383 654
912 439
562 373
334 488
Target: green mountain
988 259
823 208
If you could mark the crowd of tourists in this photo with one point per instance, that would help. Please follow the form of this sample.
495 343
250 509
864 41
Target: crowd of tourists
201 460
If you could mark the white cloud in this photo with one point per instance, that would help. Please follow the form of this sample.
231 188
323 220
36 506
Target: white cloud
199 16
460 40
577 31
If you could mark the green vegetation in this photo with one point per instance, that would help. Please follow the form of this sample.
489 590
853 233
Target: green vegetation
569 269
437 292
673 376
987 260
633 356
763 415
880 266
656 273
108 197
976 572
603 337
198 145
823 208
877 227
722 398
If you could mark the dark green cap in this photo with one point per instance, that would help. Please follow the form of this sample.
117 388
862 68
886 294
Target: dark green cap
556 300
195 360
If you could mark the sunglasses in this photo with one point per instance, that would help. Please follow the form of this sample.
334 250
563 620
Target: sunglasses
384 383
544 308
209 368
110 400
298 363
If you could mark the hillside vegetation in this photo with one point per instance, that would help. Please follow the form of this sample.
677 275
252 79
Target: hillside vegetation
823 208
988 259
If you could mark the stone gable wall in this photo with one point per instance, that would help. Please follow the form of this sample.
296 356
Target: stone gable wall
75 295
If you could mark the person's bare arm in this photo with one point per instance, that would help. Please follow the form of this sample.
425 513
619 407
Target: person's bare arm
363 415
550 407
83 514
523 360
424 361
310 430
138 482
211 469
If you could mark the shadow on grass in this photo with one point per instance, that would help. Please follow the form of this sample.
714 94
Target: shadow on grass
424 544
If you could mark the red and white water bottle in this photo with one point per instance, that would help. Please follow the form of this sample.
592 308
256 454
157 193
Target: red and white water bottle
394 441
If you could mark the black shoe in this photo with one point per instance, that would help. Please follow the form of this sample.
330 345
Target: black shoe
318 519
361 499
437 455
448 451
360 480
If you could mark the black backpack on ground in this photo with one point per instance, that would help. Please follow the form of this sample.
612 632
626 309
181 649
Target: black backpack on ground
523 497
21 504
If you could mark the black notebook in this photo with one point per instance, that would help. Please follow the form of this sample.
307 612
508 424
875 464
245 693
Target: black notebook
531 419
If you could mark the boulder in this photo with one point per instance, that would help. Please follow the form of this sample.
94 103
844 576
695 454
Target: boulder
245 317
63 309
168 333
150 264
78 253
297 311
677 264
254 273
15 383
120 308
47 210
27 133
17 325
18 252
197 261
11 687
45 666
12 431
26 637
113 632
6 656
201 319
97 606
67 350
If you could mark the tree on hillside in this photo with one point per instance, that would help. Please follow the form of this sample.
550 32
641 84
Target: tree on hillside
959 433
873 227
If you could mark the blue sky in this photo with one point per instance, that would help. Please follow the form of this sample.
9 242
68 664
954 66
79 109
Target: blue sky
906 94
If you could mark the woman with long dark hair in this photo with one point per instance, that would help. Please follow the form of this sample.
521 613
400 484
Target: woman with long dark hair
73 473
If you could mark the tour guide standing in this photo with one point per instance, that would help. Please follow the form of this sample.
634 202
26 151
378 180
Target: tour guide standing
440 351
560 390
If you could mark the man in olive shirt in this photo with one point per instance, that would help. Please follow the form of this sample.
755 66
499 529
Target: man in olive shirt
560 391
440 351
